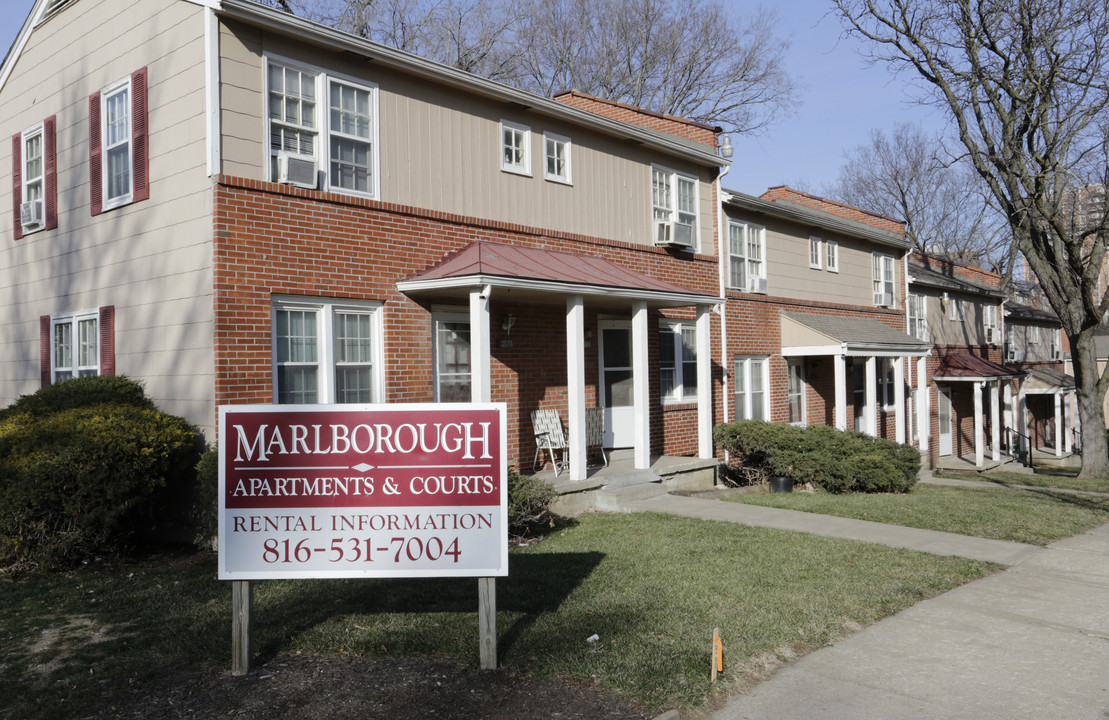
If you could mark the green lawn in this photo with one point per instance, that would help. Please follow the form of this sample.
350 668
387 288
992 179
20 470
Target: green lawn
1063 479
1037 517
652 587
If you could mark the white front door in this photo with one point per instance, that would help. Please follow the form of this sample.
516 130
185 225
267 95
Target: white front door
945 421
616 382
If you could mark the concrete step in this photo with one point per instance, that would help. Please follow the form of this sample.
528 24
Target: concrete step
616 499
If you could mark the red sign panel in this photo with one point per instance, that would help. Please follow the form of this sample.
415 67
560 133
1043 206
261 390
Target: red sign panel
367 490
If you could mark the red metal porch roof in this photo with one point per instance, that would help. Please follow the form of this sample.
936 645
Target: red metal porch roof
972 367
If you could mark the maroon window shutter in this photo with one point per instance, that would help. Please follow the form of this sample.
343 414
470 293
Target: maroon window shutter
50 171
108 340
17 183
140 154
45 348
95 180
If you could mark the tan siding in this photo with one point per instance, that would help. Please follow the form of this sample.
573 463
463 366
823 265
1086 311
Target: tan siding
150 259
440 148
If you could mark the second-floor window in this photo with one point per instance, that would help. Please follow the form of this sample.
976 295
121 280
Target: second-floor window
321 123
515 148
832 248
33 172
989 320
116 118
674 207
746 257
916 309
816 253
884 278
556 150
118 144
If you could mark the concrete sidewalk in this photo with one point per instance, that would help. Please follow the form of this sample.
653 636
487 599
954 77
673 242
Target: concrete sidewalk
1029 642
932 541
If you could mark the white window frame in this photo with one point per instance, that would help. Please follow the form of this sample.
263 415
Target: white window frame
744 367
885 379
916 311
668 207
742 236
321 129
1056 344
107 94
957 310
675 331
816 253
989 320
557 141
33 183
796 369
75 367
326 351
522 165
884 278
438 318
832 249
1033 334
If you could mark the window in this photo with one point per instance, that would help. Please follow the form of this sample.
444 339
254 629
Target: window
557 152
917 311
1056 344
515 148
816 253
350 138
452 357
833 255
673 208
750 382
884 371
1033 335
78 344
303 140
326 353
677 349
795 392
34 178
883 280
956 310
746 249
989 320
118 144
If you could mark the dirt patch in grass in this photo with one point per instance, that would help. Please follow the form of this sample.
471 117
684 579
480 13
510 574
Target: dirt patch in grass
325 688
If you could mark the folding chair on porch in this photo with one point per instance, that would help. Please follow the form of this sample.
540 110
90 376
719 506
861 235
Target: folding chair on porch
549 436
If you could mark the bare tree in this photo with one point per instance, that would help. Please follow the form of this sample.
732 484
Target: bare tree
909 175
1025 82
693 59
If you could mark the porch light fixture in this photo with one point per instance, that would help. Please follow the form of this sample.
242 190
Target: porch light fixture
726 146
507 323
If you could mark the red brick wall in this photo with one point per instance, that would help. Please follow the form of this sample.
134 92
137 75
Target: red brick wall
275 240
783 192
669 124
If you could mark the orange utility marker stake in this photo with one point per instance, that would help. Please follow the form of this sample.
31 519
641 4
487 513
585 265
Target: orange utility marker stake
717 661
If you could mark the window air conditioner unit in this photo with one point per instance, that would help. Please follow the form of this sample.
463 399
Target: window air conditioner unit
885 300
1016 356
756 285
30 213
991 335
298 170
682 235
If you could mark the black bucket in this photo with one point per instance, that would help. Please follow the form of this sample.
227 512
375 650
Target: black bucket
781 484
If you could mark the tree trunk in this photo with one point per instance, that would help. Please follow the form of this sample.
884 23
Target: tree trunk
1095 456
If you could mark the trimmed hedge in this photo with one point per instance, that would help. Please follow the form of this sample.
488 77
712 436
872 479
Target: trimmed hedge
82 475
834 460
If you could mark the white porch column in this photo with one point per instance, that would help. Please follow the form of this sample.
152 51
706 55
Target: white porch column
1022 424
640 387
978 449
995 426
704 381
1068 423
899 398
1058 425
870 416
1007 413
575 384
839 362
481 381
923 419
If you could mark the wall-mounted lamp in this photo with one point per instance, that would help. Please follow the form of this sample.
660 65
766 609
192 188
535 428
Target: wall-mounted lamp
507 323
726 146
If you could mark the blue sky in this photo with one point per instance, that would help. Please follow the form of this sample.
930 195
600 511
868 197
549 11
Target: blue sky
841 100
